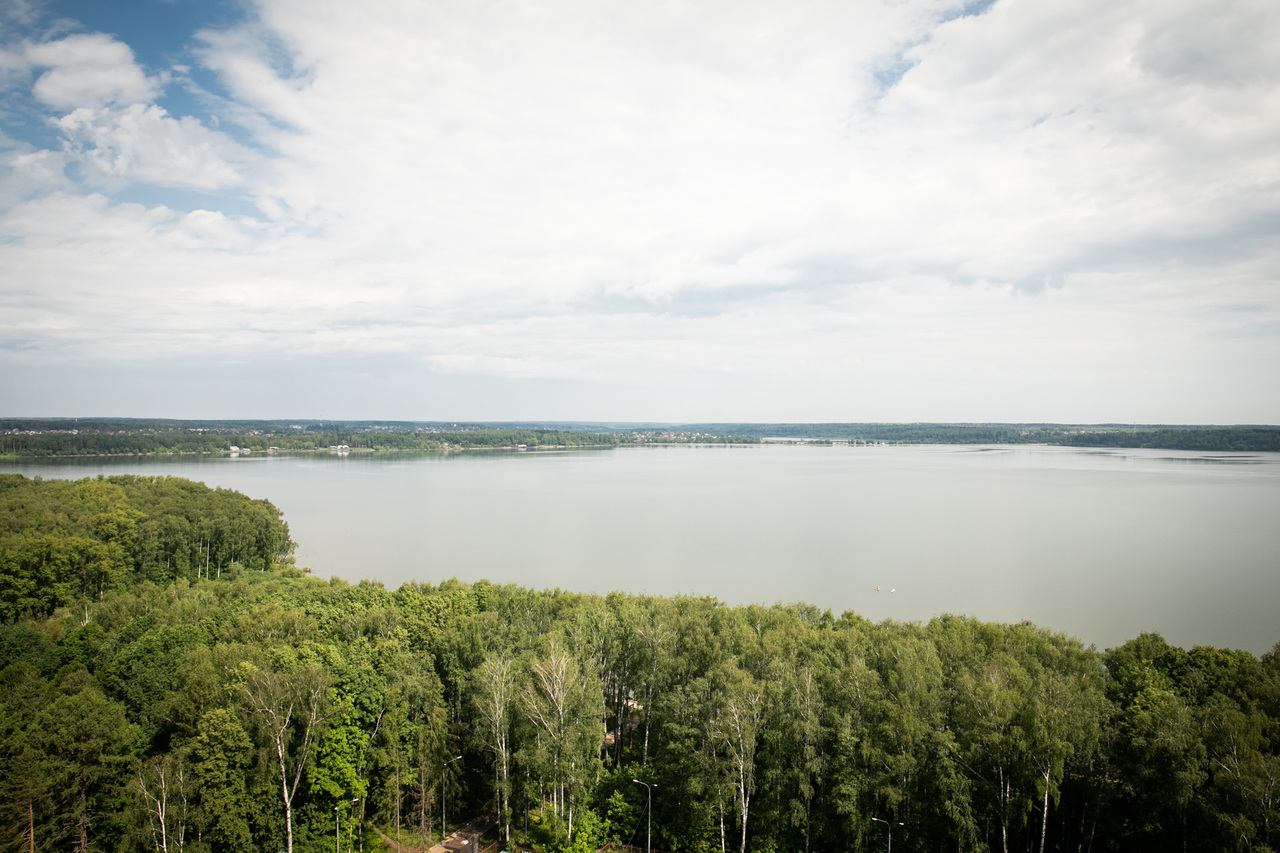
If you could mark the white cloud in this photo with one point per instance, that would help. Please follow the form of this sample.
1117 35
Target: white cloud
1233 44
112 126
1054 202
89 70
28 171
1027 138
540 137
649 151
141 142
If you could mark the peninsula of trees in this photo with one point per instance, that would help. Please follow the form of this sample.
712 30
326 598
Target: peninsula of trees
172 682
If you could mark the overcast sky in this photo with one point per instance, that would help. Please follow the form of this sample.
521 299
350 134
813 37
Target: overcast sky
1026 210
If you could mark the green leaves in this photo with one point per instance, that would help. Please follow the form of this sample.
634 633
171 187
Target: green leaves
63 542
221 757
87 744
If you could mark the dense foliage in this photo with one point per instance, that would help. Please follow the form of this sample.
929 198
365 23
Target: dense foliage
265 710
63 542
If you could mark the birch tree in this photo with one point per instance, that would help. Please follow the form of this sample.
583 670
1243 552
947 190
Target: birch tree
161 785
566 706
736 727
993 745
655 635
290 710
494 695
1064 710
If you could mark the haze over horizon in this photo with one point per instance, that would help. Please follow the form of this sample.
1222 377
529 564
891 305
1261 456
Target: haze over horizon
918 211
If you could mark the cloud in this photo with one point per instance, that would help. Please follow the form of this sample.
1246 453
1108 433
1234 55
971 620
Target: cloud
28 171
1037 193
1236 44
561 142
19 11
110 125
142 142
645 154
89 70
1028 137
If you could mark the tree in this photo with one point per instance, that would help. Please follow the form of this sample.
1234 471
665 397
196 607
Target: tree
992 744
1159 753
736 728
1064 714
221 758
566 706
1246 779
494 695
162 786
655 635
88 741
25 784
411 741
806 737
289 709
358 699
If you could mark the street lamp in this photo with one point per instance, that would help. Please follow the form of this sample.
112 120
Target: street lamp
891 826
649 830
443 825
335 822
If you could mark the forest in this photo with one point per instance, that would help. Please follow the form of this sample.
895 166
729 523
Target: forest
222 439
31 438
62 437
172 682
1234 439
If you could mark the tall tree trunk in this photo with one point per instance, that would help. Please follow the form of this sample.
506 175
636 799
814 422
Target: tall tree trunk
620 706
506 800
288 804
644 761
1004 809
1044 823
84 822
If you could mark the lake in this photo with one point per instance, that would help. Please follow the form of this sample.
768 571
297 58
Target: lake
1100 544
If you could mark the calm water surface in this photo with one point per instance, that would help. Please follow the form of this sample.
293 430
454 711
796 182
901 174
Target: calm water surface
1100 544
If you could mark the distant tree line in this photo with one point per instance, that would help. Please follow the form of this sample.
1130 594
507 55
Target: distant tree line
170 708
52 444
99 436
1209 438
96 424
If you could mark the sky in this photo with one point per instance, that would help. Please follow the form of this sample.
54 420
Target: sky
746 210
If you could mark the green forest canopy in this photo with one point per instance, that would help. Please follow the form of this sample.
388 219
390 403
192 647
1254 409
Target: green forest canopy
172 682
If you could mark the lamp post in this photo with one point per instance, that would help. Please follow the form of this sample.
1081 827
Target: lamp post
649 830
443 825
891 826
336 836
